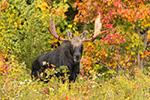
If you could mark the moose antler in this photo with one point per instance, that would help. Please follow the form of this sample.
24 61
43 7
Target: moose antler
97 28
53 32
96 33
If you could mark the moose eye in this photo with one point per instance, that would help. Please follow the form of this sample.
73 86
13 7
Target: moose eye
81 47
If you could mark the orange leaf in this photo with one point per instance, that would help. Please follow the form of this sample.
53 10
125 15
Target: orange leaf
53 65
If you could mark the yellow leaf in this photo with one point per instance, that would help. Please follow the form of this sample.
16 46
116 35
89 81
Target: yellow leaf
129 64
70 26
52 79
49 42
148 35
132 53
143 56
1 64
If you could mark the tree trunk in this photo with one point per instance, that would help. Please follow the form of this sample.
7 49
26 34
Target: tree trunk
139 60
145 45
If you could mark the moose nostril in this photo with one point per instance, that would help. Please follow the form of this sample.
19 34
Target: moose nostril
77 56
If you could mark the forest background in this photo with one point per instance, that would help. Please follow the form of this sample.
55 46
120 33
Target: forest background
115 66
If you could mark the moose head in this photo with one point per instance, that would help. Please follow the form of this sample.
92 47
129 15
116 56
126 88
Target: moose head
76 42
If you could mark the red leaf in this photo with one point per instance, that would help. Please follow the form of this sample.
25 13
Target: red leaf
103 39
82 72
121 40
115 36
46 90
6 67
138 16
108 36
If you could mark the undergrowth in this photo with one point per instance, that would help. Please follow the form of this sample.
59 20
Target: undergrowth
16 83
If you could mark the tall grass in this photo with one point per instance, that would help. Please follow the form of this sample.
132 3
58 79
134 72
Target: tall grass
17 84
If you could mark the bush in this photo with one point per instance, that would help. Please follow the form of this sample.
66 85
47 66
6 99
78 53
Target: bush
23 28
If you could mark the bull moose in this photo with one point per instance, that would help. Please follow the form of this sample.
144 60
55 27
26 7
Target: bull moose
69 53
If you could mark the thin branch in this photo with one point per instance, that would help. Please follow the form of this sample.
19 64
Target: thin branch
3 89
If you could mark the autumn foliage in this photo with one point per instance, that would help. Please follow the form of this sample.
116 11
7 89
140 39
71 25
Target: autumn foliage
128 19
115 65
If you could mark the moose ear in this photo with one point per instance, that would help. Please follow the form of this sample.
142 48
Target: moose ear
69 34
84 34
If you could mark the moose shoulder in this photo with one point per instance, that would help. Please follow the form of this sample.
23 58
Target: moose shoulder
69 53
